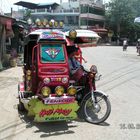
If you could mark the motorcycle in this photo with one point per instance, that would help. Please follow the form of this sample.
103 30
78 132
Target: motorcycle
94 105
48 92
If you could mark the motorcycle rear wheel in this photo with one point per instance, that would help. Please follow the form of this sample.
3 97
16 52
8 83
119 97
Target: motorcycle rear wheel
91 113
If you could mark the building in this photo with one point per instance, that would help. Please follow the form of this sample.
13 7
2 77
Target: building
6 32
89 14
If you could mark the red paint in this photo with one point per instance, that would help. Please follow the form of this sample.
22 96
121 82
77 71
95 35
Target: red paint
21 87
58 111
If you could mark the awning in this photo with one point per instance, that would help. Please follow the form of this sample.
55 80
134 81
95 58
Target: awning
26 4
30 5
83 37
100 30
85 33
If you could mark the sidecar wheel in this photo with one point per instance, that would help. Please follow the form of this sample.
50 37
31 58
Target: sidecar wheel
99 113
21 106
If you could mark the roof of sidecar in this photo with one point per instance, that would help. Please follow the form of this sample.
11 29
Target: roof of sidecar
84 33
46 35
84 36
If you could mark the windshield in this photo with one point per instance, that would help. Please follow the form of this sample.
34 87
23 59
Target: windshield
52 53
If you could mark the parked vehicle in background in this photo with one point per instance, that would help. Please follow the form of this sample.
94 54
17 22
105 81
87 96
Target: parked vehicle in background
138 47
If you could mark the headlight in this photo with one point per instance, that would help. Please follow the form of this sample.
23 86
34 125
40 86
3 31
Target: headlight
50 23
46 91
55 23
64 80
72 34
28 77
72 90
59 90
61 24
47 80
28 72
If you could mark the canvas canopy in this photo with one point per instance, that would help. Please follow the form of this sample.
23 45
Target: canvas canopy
85 33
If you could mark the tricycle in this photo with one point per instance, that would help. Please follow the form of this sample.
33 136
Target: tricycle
49 92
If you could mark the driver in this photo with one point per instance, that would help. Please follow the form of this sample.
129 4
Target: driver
75 67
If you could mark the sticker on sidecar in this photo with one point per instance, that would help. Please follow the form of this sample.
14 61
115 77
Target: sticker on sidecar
56 112
59 100
52 35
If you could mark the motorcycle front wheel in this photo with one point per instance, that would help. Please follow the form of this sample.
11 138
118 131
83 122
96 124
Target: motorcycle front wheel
98 113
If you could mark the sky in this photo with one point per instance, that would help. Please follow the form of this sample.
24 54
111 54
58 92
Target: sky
6 5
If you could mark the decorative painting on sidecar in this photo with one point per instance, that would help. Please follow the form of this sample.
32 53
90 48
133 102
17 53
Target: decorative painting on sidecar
51 53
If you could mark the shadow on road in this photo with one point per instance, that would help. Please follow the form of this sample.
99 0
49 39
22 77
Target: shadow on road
24 123
52 128
49 128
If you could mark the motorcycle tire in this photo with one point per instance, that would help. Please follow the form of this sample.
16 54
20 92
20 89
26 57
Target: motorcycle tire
93 117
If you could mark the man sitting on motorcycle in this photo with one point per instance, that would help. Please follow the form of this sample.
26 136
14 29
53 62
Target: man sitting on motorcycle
76 69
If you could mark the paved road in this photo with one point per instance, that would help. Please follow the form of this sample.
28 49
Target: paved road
120 80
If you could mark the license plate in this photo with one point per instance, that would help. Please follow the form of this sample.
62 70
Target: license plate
59 100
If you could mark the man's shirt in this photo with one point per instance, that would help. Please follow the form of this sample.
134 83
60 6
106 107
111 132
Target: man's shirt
74 65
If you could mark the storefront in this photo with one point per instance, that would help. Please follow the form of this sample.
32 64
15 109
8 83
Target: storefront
5 33
103 33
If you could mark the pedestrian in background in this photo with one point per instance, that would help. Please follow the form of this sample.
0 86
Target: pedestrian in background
138 47
21 39
125 44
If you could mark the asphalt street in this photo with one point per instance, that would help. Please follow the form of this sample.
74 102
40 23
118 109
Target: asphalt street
120 80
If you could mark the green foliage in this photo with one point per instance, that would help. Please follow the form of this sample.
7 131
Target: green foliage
120 15
27 14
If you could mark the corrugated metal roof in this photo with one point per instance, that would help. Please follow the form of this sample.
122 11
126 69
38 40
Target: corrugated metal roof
30 5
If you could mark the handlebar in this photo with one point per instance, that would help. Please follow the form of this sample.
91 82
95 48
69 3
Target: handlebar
97 77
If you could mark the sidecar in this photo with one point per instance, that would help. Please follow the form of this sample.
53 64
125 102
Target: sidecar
47 91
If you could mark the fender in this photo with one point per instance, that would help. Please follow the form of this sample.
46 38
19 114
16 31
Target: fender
101 92
104 94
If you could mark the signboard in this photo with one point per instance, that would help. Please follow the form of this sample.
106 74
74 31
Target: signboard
59 100
57 112
66 110
55 34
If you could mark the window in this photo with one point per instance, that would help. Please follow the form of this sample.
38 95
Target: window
41 10
52 53
92 10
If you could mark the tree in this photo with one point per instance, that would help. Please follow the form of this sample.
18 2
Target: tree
120 16
27 14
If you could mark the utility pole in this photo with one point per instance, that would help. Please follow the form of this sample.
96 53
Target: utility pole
11 12
87 16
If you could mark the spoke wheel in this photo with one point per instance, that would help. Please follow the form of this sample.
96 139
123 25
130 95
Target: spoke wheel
98 113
